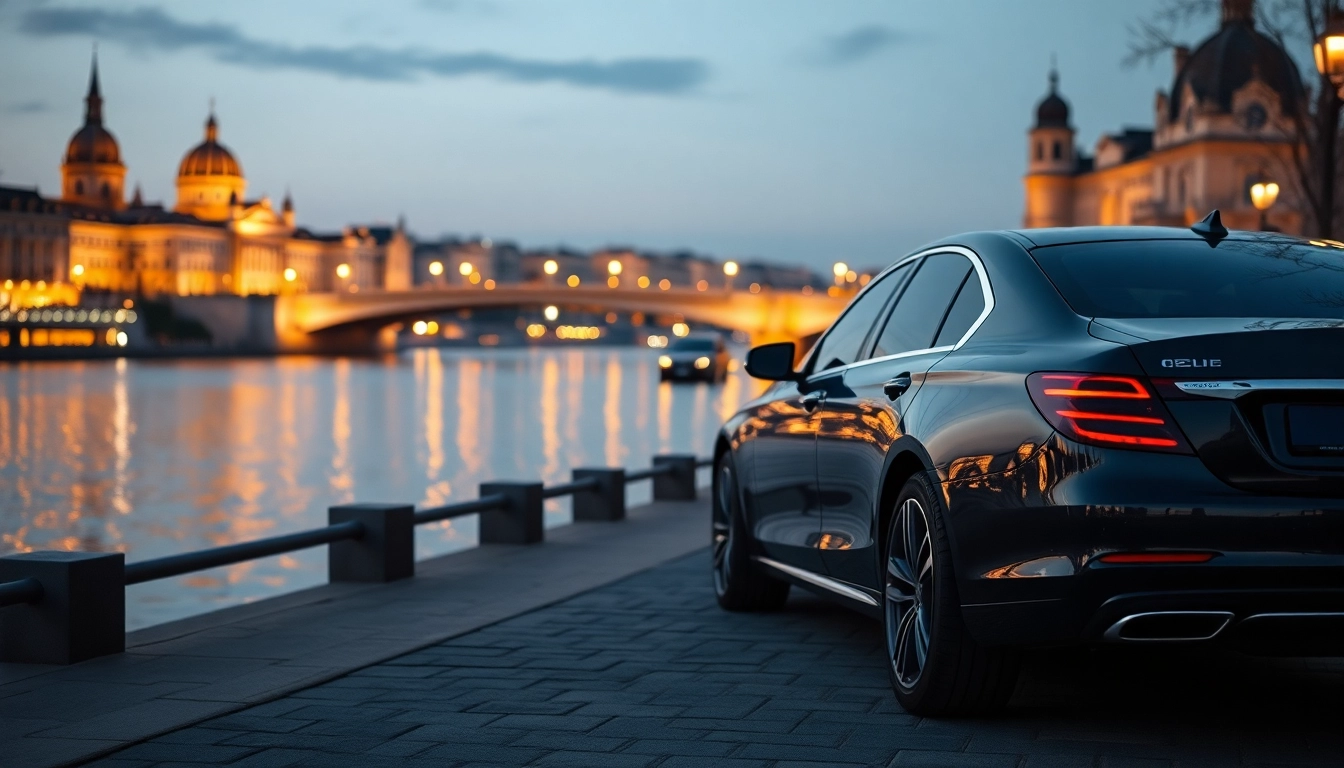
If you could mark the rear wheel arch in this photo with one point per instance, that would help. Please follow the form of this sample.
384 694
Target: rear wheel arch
903 463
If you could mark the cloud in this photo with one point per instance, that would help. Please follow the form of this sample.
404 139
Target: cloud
151 29
858 44
26 107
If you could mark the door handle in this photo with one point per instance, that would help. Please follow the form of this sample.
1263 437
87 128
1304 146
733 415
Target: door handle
896 387
811 402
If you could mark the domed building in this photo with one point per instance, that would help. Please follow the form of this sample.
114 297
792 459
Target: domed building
92 173
209 179
1226 123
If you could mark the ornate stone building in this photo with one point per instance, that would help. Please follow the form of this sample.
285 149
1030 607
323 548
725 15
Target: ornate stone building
214 240
1226 123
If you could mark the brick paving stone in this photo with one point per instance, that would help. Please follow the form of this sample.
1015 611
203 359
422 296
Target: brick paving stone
649 672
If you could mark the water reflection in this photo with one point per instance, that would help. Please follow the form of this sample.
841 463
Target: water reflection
154 458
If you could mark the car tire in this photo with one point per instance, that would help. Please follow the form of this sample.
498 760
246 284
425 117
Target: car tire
936 668
739 584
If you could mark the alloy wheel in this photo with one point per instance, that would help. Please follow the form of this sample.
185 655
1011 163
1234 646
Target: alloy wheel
909 593
723 528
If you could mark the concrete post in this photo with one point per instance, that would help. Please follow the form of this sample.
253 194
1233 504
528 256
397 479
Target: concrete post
679 484
606 502
386 552
520 522
82 612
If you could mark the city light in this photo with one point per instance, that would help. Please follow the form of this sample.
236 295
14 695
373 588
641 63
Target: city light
420 328
474 278
851 276
536 330
1329 50
465 268
703 285
127 304
613 267
572 281
612 317
342 271
613 281
432 328
702 363
657 342
755 287
665 284
122 338
551 313
436 268
680 329
76 270
490 285
643 281
578 332
291 274
1263 195
550 267
730 268
840 268
664 361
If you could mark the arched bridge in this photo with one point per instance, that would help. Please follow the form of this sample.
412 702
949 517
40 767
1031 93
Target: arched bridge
302 320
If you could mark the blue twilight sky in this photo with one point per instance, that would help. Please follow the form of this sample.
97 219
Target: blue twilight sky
795 131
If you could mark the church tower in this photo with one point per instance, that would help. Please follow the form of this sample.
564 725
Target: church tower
1051 162
92 172
209 180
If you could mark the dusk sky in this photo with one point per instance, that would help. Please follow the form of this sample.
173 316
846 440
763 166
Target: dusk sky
794 131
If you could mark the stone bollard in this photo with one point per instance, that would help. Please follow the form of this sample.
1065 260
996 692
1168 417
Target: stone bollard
386 552
520 522
81 614
605 503
679 484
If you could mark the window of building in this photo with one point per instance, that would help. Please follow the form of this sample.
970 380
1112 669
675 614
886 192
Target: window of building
107 192
79 187
1255 117
1057 151
1040 150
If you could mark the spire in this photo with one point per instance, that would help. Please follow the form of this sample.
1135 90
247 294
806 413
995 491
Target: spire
1239 11
288 205
1054 74
137 201
93 103
211 125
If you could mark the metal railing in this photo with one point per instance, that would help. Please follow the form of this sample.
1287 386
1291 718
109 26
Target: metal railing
71 605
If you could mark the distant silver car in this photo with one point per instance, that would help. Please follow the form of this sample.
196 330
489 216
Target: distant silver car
700 356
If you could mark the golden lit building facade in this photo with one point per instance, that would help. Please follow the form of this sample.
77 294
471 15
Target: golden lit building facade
1226 123
212 241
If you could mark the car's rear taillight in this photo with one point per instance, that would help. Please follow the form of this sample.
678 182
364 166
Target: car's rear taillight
1106 410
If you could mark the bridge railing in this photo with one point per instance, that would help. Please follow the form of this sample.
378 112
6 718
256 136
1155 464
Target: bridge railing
65 607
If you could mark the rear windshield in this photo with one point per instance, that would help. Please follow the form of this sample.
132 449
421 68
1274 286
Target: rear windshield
1187 278
693 345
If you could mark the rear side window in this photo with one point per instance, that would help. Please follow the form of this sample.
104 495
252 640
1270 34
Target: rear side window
964 312
1187 278
920 310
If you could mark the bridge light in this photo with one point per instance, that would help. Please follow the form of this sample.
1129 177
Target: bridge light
465 268
755 287
77 270
431 328
572 281
703 285
730 268
612 318
665 284
613 267
436 268
551 313
851 276
342 271
613 281
474 278
419 327
291 274
864 279
489 285
550 267
840 268
643 281
680 329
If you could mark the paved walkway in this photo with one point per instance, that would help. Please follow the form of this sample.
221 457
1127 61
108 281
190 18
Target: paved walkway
649 672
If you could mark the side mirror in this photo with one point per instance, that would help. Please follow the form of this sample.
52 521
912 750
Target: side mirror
772 362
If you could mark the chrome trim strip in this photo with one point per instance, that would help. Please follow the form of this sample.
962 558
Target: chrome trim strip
976 264
1301 615
1230 390
821 581
1113 633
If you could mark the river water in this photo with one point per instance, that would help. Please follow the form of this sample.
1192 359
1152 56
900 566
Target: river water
157 457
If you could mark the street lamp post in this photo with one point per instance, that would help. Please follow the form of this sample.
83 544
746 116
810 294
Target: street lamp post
1329 50
1263 195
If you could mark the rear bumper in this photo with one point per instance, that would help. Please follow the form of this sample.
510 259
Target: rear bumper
1028 542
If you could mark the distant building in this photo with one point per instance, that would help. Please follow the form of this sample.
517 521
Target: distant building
1226 123
214 240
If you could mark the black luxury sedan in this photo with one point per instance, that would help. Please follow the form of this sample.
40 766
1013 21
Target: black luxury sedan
1054 437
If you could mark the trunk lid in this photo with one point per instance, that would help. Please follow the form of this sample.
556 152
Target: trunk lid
1261 400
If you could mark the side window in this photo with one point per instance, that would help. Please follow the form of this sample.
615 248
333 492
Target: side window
919 312
842 343
965 310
